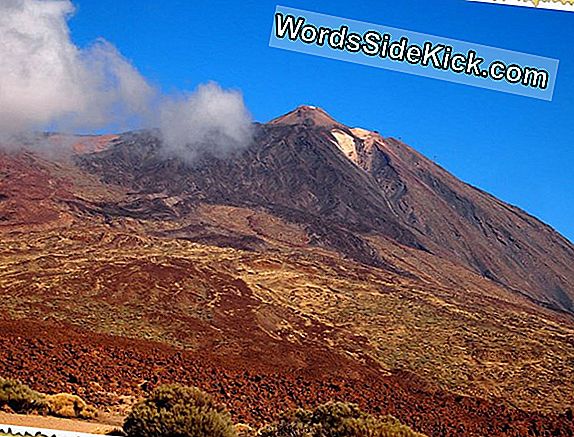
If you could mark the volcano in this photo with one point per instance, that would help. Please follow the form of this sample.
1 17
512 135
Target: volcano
320 256
345 185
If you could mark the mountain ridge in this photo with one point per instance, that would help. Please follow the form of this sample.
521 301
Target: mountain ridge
317 245
395 191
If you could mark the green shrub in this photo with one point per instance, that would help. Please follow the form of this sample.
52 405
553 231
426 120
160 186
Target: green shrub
178 411
336 419
19 397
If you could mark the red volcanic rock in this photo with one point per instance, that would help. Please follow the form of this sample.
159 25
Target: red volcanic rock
29 193
292 272
92 144
100 368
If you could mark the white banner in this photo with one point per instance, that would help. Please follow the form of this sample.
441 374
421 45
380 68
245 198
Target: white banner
29 431
558 5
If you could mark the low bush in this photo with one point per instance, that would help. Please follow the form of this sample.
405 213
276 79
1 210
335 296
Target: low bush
245 430
336 419
19 397
178 411
69 406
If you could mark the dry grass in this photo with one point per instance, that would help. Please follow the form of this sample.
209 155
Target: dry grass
118 282
69 406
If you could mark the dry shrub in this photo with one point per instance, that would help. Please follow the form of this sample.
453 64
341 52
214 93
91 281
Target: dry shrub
69 406
244 430
336 419
19 397
178 411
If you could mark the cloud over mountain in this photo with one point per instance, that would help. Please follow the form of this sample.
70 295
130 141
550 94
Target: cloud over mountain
47 82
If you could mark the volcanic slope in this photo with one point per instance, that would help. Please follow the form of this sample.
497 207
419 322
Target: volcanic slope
345 185
318 250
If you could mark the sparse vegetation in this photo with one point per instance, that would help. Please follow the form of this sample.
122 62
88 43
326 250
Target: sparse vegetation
178 411
19 397
336 419
244 430
69 406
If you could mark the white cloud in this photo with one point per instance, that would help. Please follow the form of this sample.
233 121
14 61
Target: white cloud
46 82
211 118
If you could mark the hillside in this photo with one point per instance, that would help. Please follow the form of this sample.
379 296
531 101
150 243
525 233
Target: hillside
321 253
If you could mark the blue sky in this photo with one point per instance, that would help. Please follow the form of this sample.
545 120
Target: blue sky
518 148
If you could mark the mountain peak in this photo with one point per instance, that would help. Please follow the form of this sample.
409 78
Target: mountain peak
307 115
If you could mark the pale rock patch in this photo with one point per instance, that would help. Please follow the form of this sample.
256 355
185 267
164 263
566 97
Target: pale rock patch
346 143
361 133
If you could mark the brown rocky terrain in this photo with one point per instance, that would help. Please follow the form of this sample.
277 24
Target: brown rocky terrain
321 262
298 169
111 371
